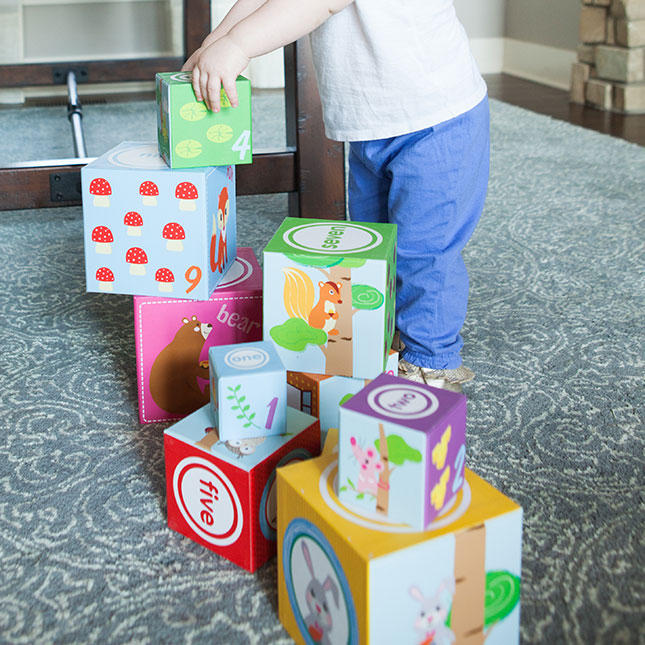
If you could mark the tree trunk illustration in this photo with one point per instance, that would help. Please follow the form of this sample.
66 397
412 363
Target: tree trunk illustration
383 492
467 616
209 439
339 355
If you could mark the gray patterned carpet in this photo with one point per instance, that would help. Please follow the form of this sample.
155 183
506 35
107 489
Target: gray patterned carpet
554 332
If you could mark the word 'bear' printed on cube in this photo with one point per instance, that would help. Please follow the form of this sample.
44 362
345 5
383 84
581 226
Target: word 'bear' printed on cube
222 494
173 337
322 395
190 135
329 293
248 390
402 450
347 578
151 231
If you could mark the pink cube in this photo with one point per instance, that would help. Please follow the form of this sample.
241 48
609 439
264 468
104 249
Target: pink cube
173 337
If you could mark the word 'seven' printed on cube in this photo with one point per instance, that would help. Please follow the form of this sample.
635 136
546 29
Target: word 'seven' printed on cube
173 337
346 578
329 293
222 494
248 390
402 450
190 135
151 231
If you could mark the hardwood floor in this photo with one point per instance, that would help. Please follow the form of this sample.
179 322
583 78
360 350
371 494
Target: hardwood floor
555 103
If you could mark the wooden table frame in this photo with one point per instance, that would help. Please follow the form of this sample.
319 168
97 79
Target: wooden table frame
310 167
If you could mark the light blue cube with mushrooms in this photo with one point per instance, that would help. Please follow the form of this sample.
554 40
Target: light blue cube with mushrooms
248 385
152 231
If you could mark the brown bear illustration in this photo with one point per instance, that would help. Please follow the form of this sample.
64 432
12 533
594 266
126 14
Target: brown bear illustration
173 376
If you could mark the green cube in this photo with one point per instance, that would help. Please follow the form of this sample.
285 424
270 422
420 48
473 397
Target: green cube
329 294
190 135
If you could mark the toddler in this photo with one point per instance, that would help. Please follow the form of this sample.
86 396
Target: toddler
398 82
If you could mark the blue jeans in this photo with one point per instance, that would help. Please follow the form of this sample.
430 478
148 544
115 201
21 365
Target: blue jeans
432 184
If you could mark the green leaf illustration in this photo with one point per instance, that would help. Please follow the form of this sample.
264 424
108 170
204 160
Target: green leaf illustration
246 407
235 407
360 496
351 483
242 398
230 397
295 334
237 387
246 425
240 416
366 297
343 488
251 416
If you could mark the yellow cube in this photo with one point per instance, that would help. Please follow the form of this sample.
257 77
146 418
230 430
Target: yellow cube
350 578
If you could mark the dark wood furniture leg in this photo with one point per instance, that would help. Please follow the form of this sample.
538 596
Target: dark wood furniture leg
320 162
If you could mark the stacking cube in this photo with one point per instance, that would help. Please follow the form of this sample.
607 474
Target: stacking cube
190 135
153 231
402 450
222 494
329 292
346 578
173 336
321 394
248 390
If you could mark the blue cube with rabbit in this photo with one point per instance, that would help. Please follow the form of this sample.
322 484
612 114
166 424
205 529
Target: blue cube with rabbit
248 384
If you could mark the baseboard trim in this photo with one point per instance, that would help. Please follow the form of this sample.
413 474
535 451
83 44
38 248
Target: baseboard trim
541 63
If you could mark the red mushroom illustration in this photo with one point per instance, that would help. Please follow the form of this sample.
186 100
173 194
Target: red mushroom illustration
137 259
103 237
165 278
187 195
174 233
149 193
134 222
105 278
101 190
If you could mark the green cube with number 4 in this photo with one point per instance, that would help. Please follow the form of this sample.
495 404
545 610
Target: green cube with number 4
192 136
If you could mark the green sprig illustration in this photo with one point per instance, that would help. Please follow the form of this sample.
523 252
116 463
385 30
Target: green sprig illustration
239 405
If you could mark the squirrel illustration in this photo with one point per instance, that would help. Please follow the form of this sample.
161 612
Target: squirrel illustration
173 375
222 217
299 297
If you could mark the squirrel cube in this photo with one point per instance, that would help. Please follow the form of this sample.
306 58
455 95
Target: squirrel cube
345 578
161 232
222 494
402 450
173 336
322 395
248 386
190 135
329 294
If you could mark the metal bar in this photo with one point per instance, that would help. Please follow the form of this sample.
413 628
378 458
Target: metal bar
75 115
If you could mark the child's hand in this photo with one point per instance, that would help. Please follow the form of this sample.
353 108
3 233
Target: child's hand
214 66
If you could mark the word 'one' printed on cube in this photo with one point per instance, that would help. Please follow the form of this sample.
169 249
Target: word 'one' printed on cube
322 395
345 578
329 292
222 494
248 390
173 337
190 135
402 450
152 231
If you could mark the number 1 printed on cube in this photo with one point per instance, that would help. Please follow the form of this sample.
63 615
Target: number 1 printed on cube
248 390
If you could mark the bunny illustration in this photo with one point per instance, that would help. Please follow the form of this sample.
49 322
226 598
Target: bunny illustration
319 619
431 623
370 466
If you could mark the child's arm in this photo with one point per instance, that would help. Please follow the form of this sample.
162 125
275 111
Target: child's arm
272 24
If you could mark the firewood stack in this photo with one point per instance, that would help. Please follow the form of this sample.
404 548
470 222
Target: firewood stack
610 72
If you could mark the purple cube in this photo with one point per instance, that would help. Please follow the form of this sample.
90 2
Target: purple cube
401 451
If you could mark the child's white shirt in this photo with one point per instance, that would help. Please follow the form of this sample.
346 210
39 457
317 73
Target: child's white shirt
391 67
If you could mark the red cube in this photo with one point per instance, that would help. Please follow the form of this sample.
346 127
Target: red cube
221 494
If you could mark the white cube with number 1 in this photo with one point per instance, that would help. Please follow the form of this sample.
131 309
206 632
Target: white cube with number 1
248 390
